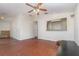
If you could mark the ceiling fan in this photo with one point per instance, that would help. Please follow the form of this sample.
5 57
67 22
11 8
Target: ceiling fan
37 8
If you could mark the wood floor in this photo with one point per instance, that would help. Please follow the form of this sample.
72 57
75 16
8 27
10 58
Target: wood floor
29 47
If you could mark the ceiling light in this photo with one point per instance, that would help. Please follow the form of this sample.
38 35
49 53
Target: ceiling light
36 10
1 17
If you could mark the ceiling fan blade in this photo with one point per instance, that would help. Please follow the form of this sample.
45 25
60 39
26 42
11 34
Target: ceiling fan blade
30 11
38 5
30 5
43 9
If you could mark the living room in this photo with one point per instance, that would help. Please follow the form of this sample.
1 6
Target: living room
46 23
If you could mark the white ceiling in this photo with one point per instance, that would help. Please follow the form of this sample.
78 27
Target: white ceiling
12 9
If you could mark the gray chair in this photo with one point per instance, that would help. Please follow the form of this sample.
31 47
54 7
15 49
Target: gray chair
68 48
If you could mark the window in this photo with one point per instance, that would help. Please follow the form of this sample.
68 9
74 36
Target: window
59 25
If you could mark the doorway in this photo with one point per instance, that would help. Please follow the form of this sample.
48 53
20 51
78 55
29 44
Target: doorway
35 29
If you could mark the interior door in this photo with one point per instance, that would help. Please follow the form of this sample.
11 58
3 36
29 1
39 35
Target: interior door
36 29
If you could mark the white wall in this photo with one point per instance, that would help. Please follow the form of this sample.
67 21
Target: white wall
22 27
77 24
26 27
55 35
15 31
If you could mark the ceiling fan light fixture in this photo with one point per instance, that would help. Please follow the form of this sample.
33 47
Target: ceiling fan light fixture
36 10
1 17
